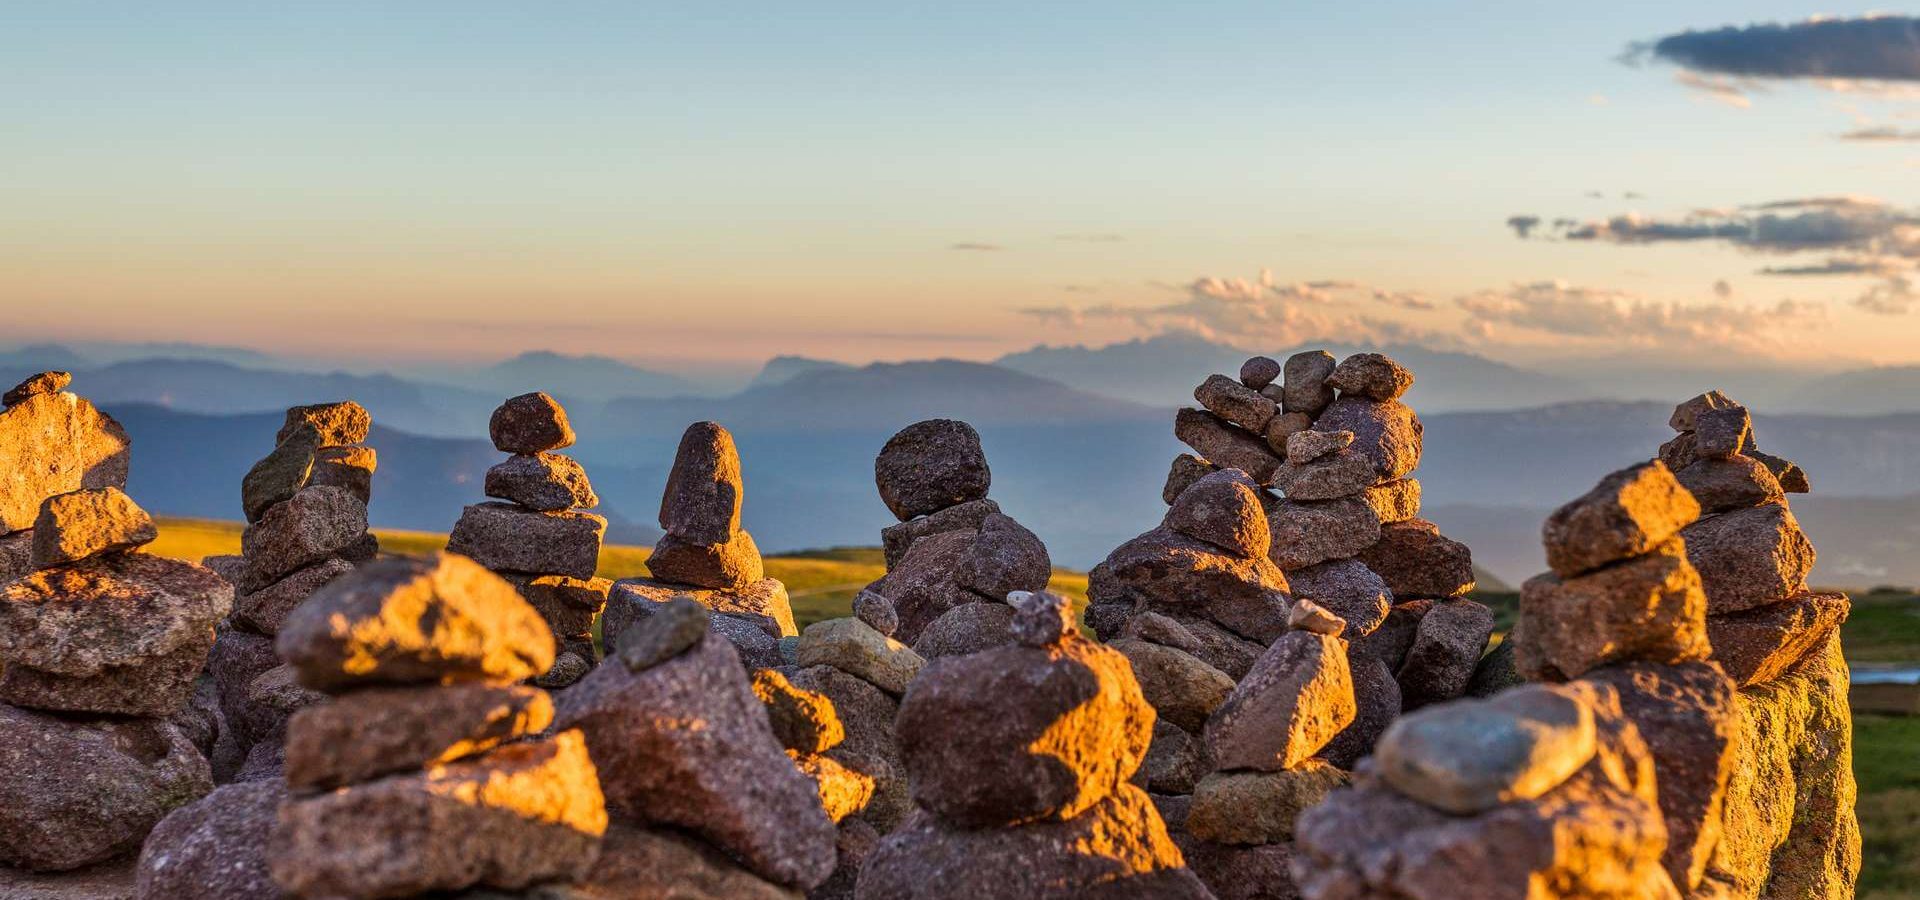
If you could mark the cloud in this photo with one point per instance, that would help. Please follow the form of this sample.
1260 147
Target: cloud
1881 134
1523 226
1722 289
1864 226
1846 265
975 247
1091 238
1261 309
1719 89
1825 50
1894 297
1610 317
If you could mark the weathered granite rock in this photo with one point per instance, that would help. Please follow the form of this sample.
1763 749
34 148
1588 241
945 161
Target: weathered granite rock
1307 615
1346 473
960 517
79 791
1497 670
1750 557
1763 643
1041 618
661 863
1417 561
1469 757
686 743
1176 760
1222 509
1387 432
929 466
514 539
283 472
266 609
1170 571
530 423
318 523
673 628
852 646
732 564
1236 403
1166 631
55 443
1628 513
348 468
88 522
701 504
1647 609
1347 589
237 658
568 604
515 816
16 555
214 848
1283 427
1307 446
1226 446
1390 642
866 714
277 694
1307 533
877 611
547 482
1792 478
411 620
35 385
376 731
1185 470
1686 416
1393 501
1305 381
630 600
1259 371
338 424
1235 872
1297 696
802 720
1446 649
843 790
1370 375
1723 432
1724 485
1376 701
1004 557
923 585
1258 807
1183 689
1221 648
967 628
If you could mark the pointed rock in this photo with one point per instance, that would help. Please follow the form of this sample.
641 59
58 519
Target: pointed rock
701 504
1295 699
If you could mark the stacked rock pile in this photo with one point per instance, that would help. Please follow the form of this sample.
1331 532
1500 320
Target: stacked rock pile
707 556
954 556
54 442
808 727
538 535
306 508
1020 758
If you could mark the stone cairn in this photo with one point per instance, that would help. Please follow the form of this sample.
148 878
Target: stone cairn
539 537
1020 758
100 645
305 504
707 557
1689 734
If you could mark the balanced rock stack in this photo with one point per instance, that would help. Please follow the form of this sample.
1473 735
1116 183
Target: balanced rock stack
53 442
809 727
1020 758
538 537
706 556
954 557
421 772
306 509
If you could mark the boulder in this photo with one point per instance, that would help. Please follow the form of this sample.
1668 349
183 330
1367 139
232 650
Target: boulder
1226 446
280 474
632 599
730 565
568 604
852 646
1306 446
967 628
1307 615
318 523
1183 690
1222 509
1259 371
547 482
55 443
1347 589
929 466
1346 473
1686 416
1761 644
960 517
1170 571
802 720
1176 760
1307 533
1305 382
214 848
530 423
1258 807
1628 513
1446 649
1792 478
347 468
674 628
1390 642
924 585
1004 557
1721 433
1386 432
1185 470
1236 403
1417 561
1497 670
1297 696
376 731
1393 501
1468 757
1282 429
843 790
1239 872
338 424
701 504
1649 608
88 522
1724 485
1376 704
1370 375
515 539
266 609
1750 557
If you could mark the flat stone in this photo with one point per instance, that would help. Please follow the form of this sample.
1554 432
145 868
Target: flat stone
670 629
516 816
1446 649
1221 648
1761 644
1628 513
1347 589
1749 557
348 468
367 733
1005 557
1376 700
966 517
283 472
55 443
1223 509
1306 446
1259 371
1225 445
1347 473
1393 501
513 539
1309 532
854 647
83 523
547 482
36 385
1297 696
317 524
413 620
339 424
701 504
1417 561
214 848
1169 571
1792 478
664 863
1724 485
731 565
1185 470
803 720
1721 433
1647 609
1387 432
1283 428
1182 688
530 423
1258 807
929 466
1310 616
569 605
764 603
877 611
1306 389
1471 756
1236 403
266 609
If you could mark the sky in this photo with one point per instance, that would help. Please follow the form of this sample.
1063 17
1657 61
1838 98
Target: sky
712 184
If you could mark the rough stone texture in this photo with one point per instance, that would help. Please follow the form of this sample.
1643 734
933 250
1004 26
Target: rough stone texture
1390 642
1297 696
1469 757
547 482
672 628
1236 403
1005 557
929 466
1762 643
1347 473
1223 509
568 604
513 539
1686 416
1166 631
959 517
877 612
1170 572
662 864
1376 701
1258 807
1393 501
16 555
730 565
530 423
1307 615
1306 446
83 523
852 646
519 815
237 658
347 468
214 848
1685 713
1446 649
1370 375
1648 609
1792 478
1305 382
367 733
1417 561
843 790
1226 446
701 504
1185 470
866 713
407 620
338 424
1117 848
967 628
76 791
1496 672
1041 618
1183 689
1232 872
923 586
1387 432
1019 734
686 743
1628 513
1749 558
1176 760
632 599
318 523
266 609
802 720
1259 371
280 474
110 880
1283 428
51 382
1347 589
55 443
1723 485
1721 433
1306 533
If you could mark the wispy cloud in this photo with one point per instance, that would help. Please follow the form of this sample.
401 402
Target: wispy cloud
1893 297
1829 51
1719 88
1557 309
1882 134
1262 309
1091 238
1873 237
975 247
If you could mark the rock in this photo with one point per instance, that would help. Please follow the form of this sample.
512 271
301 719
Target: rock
377 731
214 848
1750 557
530 423
83 523
967 628
929 466
569 605
1307 615
79 791
1386 432
570 663
1306 388
1259 371
1393 501
1471 756
283 472
843 791
1376 700
1344 474
1183 690
1222 649
1724 485
123 633
662 863
1686 416
338 424
1628 513
1648 609
856 842
701 504
1222 509
1040 618
36 385
923 585
237 658
1371 375
764 603
318 523
277 694
1680 452
1306 446
876 611
1155 628
866 714
1232 872
547 482
1761 644
1005 557
1390 642
1283 428
266 609
1117 848
348 468
731 565
55 443
16 555
515 816
1226 446
1258 807
852 646
1186 469
671 629
513 539
686 743
1347 589
802 720
1295 699
1792 479
1170 571
1018 734
1417 561
1176 760
1497 670
414 620
965 517
1236 403
1446 649
1721 433
1307 533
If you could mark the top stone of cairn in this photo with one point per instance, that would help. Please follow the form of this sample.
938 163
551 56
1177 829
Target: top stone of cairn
702 502
530 423
931 465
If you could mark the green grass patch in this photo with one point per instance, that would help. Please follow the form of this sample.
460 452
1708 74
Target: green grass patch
1883 628
1885 750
